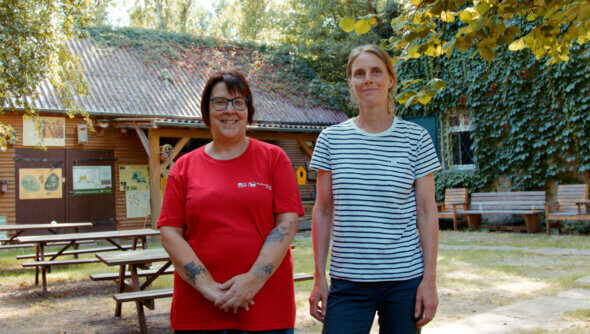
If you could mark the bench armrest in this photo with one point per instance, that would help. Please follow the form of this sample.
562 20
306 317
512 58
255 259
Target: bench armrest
548 206
464 205
585 203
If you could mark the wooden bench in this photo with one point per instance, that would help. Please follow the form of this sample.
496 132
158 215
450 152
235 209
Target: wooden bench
140 273
76 251
146 298
47 264
572 204
11 246
527 203
455 202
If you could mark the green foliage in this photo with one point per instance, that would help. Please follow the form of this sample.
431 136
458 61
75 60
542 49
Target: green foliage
482 26
457 179
532 118
575 227
32 34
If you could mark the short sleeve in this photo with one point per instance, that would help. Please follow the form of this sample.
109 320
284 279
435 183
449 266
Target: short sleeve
320 158
285 192
426 158
173 208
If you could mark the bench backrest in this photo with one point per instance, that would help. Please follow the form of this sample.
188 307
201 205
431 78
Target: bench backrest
454 195
511 200
569 194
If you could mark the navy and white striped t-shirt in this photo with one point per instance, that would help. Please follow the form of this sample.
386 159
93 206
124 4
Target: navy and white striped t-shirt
375 235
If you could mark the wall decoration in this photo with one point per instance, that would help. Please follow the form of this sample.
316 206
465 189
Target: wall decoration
39 183
92 180
134 177
53 132
3 234
138 203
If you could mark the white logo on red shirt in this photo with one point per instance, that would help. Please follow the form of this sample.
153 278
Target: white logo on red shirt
253 185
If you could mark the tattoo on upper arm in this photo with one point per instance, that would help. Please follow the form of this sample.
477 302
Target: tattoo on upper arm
192 271
265 271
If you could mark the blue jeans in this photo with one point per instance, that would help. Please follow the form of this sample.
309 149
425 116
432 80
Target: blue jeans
352 306
238 331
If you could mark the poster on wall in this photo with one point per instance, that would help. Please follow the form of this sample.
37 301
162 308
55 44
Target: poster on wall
92 180
53 132
39 183
138 203
134 177
3 234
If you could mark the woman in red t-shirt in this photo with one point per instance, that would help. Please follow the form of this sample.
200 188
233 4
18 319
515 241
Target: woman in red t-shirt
228 218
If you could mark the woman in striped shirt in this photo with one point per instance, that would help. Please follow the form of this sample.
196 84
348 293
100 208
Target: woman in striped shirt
375 198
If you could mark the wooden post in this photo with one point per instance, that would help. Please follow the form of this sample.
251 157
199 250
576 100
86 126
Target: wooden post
155 185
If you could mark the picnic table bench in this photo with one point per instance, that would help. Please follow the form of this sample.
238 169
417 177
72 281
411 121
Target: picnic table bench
40 261
529 204
21 228
571 198
130 263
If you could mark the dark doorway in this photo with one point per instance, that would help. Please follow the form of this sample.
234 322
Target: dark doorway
57 167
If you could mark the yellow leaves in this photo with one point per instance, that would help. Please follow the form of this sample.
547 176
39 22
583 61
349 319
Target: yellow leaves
437 84
486 53
517 45
413 51
482 8
467 15
361 26
447 16
346 23
416 2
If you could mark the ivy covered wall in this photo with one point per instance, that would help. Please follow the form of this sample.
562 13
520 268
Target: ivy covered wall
531 120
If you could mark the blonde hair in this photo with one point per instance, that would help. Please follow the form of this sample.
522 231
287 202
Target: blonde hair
385 58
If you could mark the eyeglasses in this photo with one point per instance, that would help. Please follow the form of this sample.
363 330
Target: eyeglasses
220 103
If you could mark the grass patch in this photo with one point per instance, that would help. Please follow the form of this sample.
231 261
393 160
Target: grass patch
469 281
514 239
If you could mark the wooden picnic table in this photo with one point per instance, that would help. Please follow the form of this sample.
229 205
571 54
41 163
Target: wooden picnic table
21 228
134 260
73 238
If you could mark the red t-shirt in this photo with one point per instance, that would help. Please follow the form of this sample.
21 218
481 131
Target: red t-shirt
227 208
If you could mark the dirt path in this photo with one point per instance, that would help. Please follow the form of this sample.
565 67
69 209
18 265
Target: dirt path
78 307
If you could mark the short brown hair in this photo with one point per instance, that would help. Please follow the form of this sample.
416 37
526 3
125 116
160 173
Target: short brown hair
235 83
385 58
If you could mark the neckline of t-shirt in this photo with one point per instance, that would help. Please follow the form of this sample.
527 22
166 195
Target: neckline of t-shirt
377 134
246 152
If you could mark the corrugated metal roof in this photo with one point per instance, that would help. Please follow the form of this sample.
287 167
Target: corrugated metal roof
256 125
120 84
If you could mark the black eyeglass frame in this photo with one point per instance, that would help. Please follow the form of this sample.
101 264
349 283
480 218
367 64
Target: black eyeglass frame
227 102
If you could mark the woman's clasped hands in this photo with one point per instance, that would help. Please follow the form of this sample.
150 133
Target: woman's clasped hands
235 293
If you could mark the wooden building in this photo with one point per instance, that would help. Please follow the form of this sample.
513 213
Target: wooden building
114 176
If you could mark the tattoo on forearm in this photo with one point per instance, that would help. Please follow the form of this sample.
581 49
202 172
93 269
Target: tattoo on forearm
279 233
265 271
192 271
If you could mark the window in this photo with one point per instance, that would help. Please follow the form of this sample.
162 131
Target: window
459 141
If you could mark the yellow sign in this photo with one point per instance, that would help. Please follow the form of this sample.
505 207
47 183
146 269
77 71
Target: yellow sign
134 177
301 175
52 131
39 183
